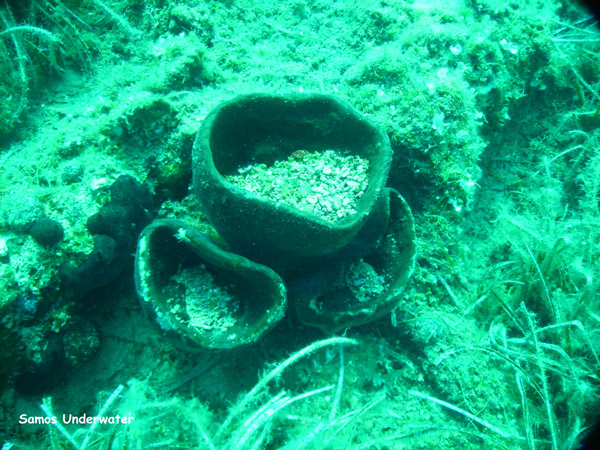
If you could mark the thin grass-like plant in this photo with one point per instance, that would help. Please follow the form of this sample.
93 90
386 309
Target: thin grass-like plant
247 426
46 407
241 407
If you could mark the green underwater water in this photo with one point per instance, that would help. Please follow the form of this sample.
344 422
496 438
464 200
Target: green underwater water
492 111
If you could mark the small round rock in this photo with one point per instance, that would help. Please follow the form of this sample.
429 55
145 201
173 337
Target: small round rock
72 172
47 232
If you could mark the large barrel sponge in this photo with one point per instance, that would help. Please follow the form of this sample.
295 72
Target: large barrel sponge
260 128
200 294
362 289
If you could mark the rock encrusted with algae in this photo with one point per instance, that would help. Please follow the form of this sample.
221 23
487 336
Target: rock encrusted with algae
325 183
115 228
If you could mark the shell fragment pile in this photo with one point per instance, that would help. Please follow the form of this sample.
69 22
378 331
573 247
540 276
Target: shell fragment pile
325 183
